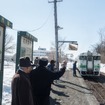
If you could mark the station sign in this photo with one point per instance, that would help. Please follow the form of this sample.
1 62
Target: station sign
24 46
3 24
73 47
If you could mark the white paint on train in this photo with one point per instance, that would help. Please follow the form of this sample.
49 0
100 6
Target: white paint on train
89 64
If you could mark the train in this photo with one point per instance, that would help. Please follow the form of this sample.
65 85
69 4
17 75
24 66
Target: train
89 64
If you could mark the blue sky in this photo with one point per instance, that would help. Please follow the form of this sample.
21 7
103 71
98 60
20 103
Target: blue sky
81 20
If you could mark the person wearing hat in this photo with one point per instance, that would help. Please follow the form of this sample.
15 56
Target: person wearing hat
41 79
51 65
21 86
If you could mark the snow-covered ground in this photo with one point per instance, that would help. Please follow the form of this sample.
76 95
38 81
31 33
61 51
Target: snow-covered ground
9 70
102 68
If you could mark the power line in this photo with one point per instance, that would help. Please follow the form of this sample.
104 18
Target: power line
42 24
40 27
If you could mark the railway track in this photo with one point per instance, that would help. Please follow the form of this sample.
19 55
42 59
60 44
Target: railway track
97 86
98 91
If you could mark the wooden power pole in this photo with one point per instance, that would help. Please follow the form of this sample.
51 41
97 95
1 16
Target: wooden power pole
56 31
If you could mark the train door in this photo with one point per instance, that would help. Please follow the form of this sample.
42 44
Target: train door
82 65
90 63
97 60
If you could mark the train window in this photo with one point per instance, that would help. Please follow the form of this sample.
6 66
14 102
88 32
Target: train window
82 57
96 57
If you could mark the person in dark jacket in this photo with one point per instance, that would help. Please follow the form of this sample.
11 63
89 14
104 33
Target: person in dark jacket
41 79
51 65
21 86
36 61
74 68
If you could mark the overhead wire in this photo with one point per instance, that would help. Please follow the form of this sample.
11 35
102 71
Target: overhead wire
40 27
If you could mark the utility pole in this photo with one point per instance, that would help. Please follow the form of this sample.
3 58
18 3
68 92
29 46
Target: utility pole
56 31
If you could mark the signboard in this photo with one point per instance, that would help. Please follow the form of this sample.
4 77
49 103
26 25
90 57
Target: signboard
1 43
24 46
73 47
5 22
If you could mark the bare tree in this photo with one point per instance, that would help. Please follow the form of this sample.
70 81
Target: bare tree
61 47
9 44
100 46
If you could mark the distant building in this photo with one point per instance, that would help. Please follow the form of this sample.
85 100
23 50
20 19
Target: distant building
41 52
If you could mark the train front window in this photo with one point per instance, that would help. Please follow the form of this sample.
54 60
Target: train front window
96 57
82 57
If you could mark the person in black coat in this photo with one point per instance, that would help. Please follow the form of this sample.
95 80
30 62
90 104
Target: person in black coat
74 68
41 79
21 86
51 65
